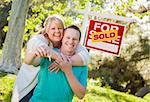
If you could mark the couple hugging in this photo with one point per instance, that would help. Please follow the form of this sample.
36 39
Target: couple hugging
58 79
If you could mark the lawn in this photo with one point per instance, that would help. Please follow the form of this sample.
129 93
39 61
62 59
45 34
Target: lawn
94 92
6 85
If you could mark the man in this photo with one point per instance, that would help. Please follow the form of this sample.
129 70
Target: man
61 86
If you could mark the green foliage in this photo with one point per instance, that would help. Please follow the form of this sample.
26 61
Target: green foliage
129 71
40 9
68 9
6 85
4 8
38 13
5 1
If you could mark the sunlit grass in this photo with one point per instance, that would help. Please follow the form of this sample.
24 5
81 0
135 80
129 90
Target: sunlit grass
100 94
147 97
6 85
94 92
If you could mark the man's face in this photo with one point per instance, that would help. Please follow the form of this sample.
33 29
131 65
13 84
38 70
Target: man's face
70 40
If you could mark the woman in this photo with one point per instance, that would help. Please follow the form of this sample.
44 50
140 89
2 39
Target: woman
48 38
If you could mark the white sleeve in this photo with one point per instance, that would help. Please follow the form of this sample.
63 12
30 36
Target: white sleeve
83 53
34 42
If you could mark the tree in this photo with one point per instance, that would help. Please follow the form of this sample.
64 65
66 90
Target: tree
11 60
4 12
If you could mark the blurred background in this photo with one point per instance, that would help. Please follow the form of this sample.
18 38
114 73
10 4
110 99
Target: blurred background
128 73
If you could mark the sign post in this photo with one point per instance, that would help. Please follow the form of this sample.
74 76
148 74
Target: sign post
87 12
85 21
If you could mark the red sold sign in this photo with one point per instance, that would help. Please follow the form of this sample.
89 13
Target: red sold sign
104 36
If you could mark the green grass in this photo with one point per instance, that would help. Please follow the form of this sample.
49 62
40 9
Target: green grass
101 94
6 85
147 97
94 92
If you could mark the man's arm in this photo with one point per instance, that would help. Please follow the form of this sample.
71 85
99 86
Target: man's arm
78 89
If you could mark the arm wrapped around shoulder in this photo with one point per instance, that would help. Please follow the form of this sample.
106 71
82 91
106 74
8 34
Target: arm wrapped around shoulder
83 53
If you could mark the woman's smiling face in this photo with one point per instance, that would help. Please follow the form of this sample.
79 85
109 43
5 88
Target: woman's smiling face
55 31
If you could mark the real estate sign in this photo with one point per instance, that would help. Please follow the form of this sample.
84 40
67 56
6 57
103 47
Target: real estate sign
104 36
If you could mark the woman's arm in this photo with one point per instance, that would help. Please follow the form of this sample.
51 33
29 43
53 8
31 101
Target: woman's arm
40 44
33 57
81 57
76 60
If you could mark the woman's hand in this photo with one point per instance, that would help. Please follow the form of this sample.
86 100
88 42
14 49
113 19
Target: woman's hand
33 57
55 65
59 63
42 51
66 65
56 56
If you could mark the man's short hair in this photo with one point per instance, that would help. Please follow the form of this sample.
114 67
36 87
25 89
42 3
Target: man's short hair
76 28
